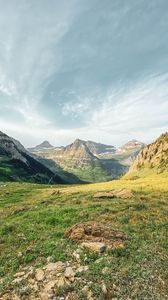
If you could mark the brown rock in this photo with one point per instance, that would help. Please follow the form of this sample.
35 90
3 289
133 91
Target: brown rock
44 296
70 274
94 246
93 231
122 193
39 275
50 285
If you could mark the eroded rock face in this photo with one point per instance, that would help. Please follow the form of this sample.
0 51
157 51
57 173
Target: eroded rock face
122 193
153 155
97 235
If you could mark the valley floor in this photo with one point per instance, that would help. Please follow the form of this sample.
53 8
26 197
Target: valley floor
34 218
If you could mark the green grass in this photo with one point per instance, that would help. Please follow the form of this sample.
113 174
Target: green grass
34 219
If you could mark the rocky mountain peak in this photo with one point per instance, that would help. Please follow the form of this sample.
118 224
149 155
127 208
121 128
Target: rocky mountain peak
45 144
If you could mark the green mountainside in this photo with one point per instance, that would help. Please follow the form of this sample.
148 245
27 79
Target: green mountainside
17 165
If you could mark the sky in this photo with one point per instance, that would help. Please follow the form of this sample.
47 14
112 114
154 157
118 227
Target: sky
89 69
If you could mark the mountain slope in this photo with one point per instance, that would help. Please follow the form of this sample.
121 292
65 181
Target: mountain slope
78 159
153 157
17 165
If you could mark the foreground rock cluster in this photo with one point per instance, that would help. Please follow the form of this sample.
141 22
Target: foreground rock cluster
45 283
56 280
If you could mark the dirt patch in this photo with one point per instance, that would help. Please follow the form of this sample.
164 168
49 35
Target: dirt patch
122 193
96 232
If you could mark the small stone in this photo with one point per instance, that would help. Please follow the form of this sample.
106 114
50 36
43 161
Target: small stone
82 269
17 280
88 292
19 254
50 285
39 275
19 274
76 254
49 259
51 267
69 272
104 289
105 270
94 246
58 267
44 296
61 282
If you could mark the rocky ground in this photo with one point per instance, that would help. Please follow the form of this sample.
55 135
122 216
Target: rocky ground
55 280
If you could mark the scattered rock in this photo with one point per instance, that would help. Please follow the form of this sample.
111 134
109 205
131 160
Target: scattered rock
82 269
50 285
61 282
58 267
43 296
19 274
122 193
104 289
40 275
94 246
19 254
49 259
69 273
87 292
105 270
72 296
76 254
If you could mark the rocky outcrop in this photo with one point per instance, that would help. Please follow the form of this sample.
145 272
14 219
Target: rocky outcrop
154 155
122 193
96 236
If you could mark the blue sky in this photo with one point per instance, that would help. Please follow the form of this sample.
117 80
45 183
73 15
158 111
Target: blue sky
88 69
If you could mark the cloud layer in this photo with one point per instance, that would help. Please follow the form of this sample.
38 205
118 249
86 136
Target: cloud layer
88 69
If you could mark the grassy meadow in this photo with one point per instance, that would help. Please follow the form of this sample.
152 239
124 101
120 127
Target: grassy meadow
33 219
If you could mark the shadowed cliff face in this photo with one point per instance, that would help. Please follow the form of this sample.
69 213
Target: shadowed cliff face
154 155
16 164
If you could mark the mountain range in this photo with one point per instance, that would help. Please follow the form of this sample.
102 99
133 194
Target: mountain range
81 161
88 160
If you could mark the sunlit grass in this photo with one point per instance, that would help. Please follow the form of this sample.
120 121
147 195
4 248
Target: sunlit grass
35 217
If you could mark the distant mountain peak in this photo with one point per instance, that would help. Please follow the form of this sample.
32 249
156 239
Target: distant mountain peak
45 144
132 145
